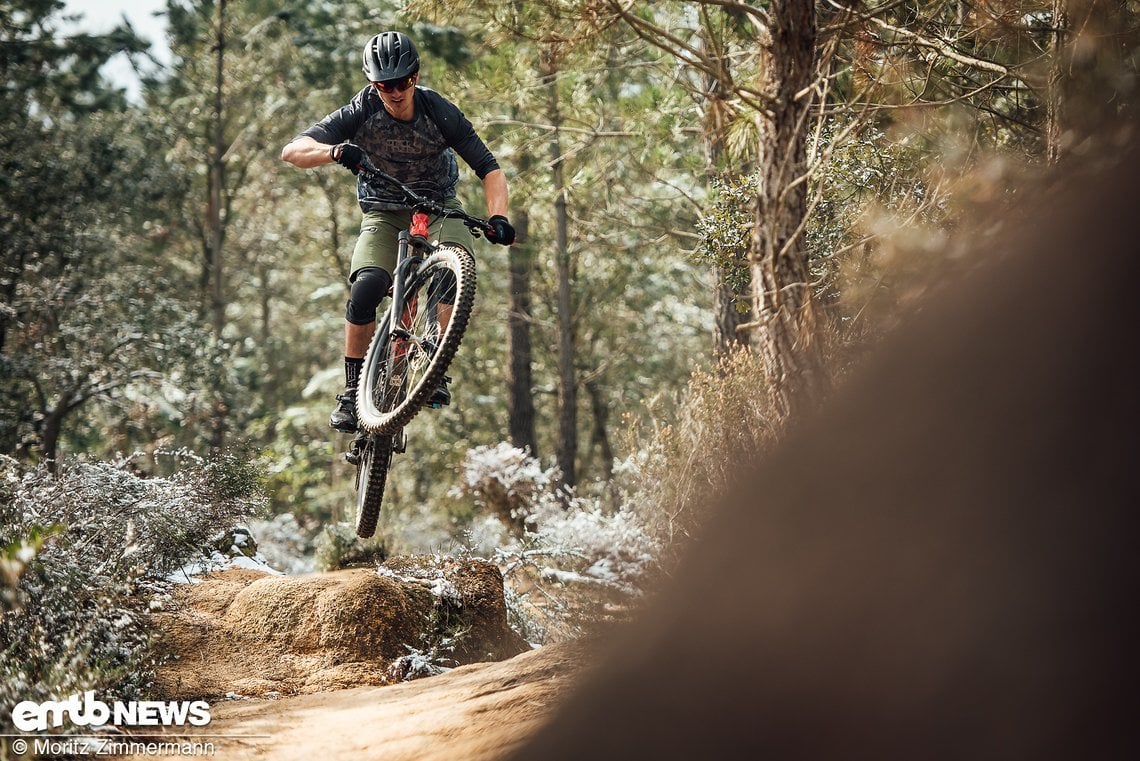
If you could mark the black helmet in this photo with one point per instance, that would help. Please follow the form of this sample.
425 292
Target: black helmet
390 55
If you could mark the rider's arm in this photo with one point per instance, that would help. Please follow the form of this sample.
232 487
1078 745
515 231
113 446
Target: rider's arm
312 147
495 188
305 152
458 132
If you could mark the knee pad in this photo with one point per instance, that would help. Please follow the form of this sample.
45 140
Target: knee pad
369 286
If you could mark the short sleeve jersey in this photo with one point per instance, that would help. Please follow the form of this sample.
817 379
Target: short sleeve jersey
420 153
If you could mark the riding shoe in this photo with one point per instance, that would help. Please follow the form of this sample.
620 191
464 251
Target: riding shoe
440 395
343 417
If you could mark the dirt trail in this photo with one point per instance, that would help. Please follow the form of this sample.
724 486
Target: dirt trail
476 712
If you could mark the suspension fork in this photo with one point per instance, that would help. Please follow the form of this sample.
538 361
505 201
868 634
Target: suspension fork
398 282
417 237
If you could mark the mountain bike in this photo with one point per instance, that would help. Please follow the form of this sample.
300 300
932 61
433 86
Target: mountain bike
433 292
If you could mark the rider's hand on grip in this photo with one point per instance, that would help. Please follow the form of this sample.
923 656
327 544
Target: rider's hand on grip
349 156
500 230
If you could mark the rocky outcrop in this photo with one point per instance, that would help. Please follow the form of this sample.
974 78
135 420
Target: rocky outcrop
254 634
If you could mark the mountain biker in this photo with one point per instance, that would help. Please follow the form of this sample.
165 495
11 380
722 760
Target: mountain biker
413 134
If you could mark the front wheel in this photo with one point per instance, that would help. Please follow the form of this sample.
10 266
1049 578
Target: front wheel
404 363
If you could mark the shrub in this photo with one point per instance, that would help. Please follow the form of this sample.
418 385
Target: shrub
568 560
86 553
566 557
339 547
677 471
507 482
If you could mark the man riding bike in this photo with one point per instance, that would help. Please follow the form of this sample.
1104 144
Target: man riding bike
413 134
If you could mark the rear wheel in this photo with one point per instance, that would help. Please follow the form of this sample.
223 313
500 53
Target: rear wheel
371 475
405 364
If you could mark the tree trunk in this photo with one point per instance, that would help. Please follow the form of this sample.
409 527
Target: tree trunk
50 432
51 428
728 317
963 12
782 299
269 383
602 438
215 229
1054 94
567 378
520 383
340 263
1090 95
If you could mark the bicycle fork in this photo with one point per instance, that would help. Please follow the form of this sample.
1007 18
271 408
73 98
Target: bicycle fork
419 236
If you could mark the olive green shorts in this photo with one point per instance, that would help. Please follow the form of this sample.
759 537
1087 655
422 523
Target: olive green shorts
376 246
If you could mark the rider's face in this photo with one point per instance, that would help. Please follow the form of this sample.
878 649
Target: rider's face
399 102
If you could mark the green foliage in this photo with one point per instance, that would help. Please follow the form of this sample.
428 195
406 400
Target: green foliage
48 76
92 310
870 177
725 231
984 61
629 169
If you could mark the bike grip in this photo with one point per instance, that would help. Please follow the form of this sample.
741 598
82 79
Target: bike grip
420 224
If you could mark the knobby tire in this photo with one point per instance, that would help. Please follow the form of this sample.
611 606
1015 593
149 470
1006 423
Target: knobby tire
371 475
383 411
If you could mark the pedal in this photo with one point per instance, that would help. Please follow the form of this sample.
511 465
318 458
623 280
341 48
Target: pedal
400 442
353 455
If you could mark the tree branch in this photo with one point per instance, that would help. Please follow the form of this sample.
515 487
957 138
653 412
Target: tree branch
692 57
551 128
758 14
944 48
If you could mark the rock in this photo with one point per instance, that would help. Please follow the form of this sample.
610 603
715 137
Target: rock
234 542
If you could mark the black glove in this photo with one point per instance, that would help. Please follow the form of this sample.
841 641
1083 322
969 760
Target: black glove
500 230
349 156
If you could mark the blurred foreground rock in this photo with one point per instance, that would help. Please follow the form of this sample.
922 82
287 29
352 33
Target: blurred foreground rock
251 633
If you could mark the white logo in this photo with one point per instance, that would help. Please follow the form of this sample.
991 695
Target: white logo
29 716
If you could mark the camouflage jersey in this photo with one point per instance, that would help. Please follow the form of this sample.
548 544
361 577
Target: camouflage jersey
419 153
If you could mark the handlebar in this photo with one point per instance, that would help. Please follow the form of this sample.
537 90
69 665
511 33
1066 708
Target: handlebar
476 225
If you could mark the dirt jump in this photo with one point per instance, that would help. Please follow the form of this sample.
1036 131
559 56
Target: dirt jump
326 665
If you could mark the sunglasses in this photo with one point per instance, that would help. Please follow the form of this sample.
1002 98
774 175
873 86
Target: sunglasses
395 85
